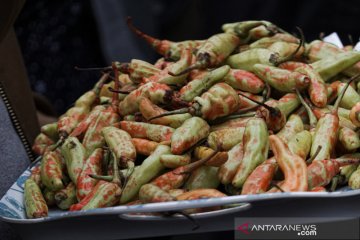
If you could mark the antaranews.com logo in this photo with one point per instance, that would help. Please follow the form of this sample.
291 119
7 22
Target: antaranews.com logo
297 228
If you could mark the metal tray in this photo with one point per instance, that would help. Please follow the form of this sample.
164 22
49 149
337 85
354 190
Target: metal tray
120 223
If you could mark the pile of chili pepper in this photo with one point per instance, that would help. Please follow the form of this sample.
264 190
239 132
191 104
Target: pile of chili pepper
251 110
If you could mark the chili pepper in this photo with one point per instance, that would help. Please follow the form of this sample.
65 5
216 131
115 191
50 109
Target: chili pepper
293 126
203 177
260 179
327 130
244 80
266 42
220 100
274 118
174 161
188 134
331 66
318 189
149 110
41 142
347 171
245 103
286 104
162 63
179 66
104 194
74 154
281 79
255 150
144 146
320 172
92 165
176 192
177 177
66 197
216 161
198 86
166 48
157 133
51 131
149 169
81 108
350 98
293 166
354 180
150 193
228 170
228 138
137 70
35 205
49 197
51 171
311 116
285 49
232 123
36 175
156 92
119 142
200 194
317 90
349 139
214 51
355 114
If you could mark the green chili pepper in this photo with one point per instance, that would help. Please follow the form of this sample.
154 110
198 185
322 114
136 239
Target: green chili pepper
174 161
66 197
256 146
138 70
150 193
281 79
349 139
75 155
157 133
35 205
244 80
350 98
51 130
354 180
228 170
149 169
49 197
300 143
227 138
188 134
197 86
293 126
203 177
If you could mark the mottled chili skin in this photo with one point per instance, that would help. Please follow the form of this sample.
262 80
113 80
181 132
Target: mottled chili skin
293 126
320 172
51 170
355 114
293 166
281 79
220 100
66 197
51 130
216 161
157 133
228 138
75 156
200 193
259 180
256 146
228 170
35 205
188 134
92 165
144 146
203 177
174 161
354 180
244 81
41 142
150 193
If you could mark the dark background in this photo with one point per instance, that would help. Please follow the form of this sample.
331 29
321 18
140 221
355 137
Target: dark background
55 36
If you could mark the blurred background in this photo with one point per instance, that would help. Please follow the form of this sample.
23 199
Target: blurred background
55 36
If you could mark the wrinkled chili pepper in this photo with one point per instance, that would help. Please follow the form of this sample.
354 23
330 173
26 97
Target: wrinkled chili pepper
35 205
92 165
75 156
281 79
157 133
188 134
174 161
244 81
256 146
203 177
327 128
149 169
51 171
66 197
41 143
177 177
293 166
228 138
